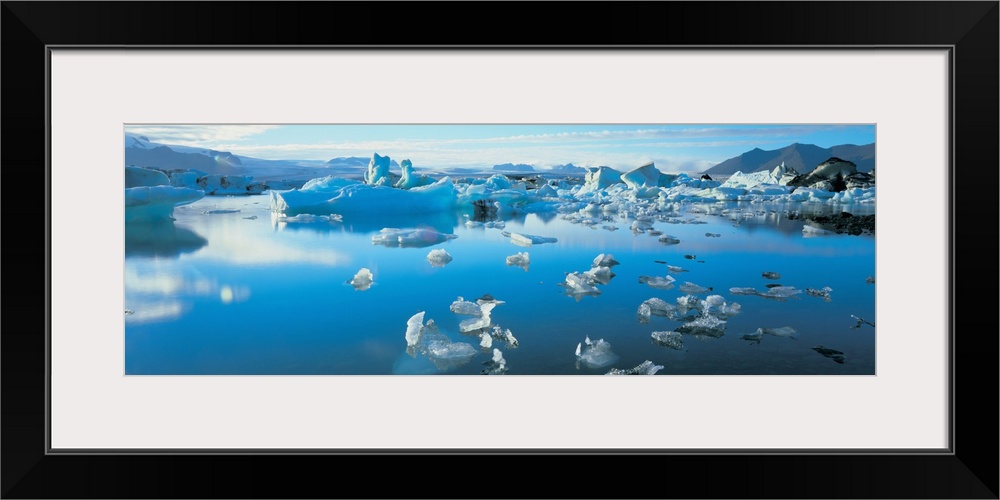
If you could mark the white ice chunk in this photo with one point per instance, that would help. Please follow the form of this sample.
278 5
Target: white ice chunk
378 170
676 269
704 326
519 259
526 240
646 368
410 180
466 308
335 195
414 326
655 307
823 293
578 284
605 260
410 237
658 282
595 354
810 231
483 321
673 340
600 275
362 280
438 257
645 176
485 340
497 365
693 289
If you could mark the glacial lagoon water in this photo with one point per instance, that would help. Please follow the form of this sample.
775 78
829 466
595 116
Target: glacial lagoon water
229 289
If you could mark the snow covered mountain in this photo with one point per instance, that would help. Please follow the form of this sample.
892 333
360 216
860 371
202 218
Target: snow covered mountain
800 157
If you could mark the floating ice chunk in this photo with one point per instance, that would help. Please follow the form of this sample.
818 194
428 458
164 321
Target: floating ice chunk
409 180
823 293
519 259
861 321
669 240
595 354
809 231
783 331
676 269
645 176
335 195
414 327
579 284
526 240
362 280
694 289
411 237
504 335
485 340
483 321
446 354
157 202
438 257
600 275
378 170
704 326
598 178
673 340
779 293
736 290
466 308
487 298
658 282
646 368
605 260
497 365
830 353
655 307
770 275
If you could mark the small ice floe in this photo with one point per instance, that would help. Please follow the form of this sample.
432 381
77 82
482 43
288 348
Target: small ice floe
497 365
870 280
823 293
252 217
830 353
483 321
693 289
646 368
601 275
675 269
658 282
418 237
503 335
770 275
579 285
861 321
473 223
605 260
784 331
690 257
704 327
221 211
812 231
439 257
426 339
673 340
487 298
526 240
465 308
485 340
519 259
362 280
778 293
712 235
669 240
655 307
595 354
654 232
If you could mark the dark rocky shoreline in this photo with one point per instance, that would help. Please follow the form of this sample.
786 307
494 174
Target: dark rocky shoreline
846 222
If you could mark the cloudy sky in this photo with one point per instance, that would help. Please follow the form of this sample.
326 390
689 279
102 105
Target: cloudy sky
690 148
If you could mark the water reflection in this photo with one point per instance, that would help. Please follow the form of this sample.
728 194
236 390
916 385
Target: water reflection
160 238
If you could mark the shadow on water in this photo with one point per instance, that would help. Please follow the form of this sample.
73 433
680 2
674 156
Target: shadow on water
160 239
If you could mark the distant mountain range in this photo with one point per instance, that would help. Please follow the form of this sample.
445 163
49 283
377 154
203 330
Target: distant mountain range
142 153
802 157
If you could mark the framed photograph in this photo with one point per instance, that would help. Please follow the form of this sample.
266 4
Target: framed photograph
262 243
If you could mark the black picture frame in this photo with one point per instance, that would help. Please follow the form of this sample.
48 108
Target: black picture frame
969 470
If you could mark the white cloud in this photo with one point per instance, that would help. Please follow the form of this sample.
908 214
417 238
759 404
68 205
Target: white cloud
197 135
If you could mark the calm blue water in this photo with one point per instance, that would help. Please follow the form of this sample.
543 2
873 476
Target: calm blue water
226 293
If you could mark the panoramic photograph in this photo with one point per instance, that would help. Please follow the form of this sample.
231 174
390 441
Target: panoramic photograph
482 249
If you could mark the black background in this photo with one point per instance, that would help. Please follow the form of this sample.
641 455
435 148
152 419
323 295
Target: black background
971 472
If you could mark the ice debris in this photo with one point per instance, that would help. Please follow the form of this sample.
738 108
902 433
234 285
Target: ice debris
483 321
676 269
861 321
673 340
485 340
870 280
426 339
526 240
646 368
466 308
605 260
503 335
704 327
497 365
669 240
595 354
770 275
779 293
694 289
655 307
362 280
410 237
579 284
830 353
439 257
658 282
519 259
823 293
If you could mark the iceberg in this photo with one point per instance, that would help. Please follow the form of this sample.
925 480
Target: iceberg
646 368
605 260
409 180
410 237
144 177
526 240
439 257
466 308
483 321
598 178
378 170
150 203
519 259
646 176
595 354
673 340
362 280
333 195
